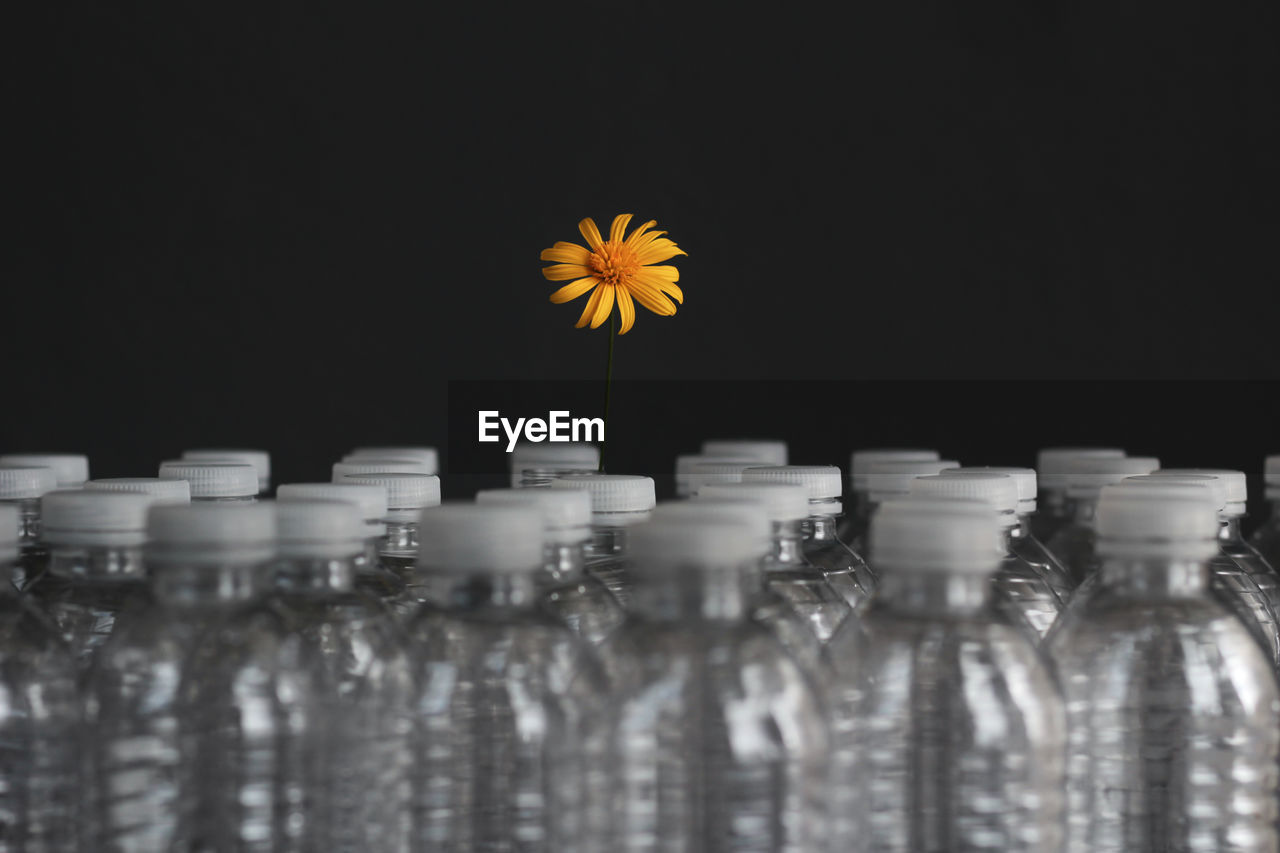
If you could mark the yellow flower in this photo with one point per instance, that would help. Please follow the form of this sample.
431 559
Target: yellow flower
616 269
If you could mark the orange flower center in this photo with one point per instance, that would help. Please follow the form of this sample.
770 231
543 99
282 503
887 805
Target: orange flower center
614 264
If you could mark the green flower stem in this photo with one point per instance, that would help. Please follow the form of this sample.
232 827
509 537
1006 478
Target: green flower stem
608 385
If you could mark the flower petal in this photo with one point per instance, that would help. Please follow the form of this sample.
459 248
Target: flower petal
651 298
564 272
567 253
636 234
626 310
574 289
655 275
619 227
591 233
590 310
645 239
605 308
671 289
655 252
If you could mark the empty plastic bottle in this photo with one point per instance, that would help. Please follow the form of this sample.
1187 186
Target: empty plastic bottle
854 525
22 488
1267 537
1054 510
562 455
847 572
1023 587
69 469
223 482
947 723
371 500
883 481
357 771
198 703
259 459
1085 476
504 692
618 503
579 600
95 571
1171 704
766 451
39 720
407 496
428 456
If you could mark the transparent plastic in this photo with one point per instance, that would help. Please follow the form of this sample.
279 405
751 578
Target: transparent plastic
847 572
34 556
1025 544
1026 588
948 726
1266 539
804 588
579 600
1075 542
1172 706
606 556
1248 584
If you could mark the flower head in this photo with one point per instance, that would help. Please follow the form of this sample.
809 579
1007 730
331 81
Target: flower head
618 269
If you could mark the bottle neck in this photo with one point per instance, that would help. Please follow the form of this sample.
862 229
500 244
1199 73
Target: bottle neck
477 590
1229 531
315 576
819 528
401 539
1177 577
924 592
208 584
1053 503
786 547
606 541
564 562
29 526
1021 530
97 563
1084 509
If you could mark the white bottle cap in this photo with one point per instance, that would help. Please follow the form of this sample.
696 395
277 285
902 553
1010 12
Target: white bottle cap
368 465
1086 475
567 455
727 542
464 537
69 469
372 500
616 499
202 532
884 481
764 451
700 474
94 518
998 490
407 494
1235 481
918 534
686 463
823 483
710 511
566 513
1051 462
781 501
1216 488
860 461
171 491
1271 475
1023 478
10 533
213 479
259 459
319 529
1137 522
17 484
428 456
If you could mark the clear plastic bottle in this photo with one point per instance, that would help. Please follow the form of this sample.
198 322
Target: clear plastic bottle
854 525
504 693
259 459
845 570
371 576
69 469
1171 704
95 541
1267 537
948 726
579 600
1023 588
407 496
717 740
22 488
883 481
222 482
764 451
358 742
1054 510
39 720
618 503
567 455
428 456
1085 476
198 702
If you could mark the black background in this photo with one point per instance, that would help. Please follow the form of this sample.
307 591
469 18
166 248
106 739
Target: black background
290 227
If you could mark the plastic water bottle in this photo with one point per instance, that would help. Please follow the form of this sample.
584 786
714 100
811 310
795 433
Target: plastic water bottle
69 469
1172 705
801 586
618 503
1085 476
856 522
564 456
686 485
259 459
579 600
371 502
95 571
884 481
428 456
1267 537
358 740
407 496
39 719
222 482
197 703
1054 509
1023 588
847 572
765 451
717 740
504 692
22 489
948 726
